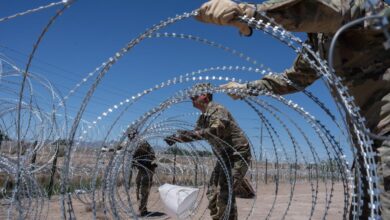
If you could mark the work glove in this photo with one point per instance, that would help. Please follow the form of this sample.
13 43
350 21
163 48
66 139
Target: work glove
154 164
234 85
171 140
226 12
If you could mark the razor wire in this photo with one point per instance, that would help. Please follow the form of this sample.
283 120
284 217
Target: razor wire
118 208
63 2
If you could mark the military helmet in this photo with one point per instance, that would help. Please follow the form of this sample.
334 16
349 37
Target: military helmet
131 132
202 87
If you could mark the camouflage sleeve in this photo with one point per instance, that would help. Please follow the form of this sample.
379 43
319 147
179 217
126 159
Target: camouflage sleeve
218 124
310 16
301 74
185 136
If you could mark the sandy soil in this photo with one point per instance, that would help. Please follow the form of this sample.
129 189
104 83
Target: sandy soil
259 208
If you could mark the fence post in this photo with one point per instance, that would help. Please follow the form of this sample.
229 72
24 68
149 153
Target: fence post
174 164
53 171
196 174
34 156
266 170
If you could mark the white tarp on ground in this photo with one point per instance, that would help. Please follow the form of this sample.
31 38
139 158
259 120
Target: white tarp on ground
178 200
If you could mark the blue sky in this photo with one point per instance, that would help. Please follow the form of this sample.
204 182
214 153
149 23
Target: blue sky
89 32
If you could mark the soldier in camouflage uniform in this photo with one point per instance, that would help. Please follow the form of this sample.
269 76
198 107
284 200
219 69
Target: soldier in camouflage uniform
144 159
360 60
1 137
229 144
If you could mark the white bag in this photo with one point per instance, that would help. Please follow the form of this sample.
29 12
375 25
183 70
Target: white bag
178 200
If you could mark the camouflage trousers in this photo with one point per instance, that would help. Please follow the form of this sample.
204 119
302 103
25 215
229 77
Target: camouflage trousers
219 195
144 182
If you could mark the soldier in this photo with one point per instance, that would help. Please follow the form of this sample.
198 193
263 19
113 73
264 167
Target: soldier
229 144
145 161
1 137
360 60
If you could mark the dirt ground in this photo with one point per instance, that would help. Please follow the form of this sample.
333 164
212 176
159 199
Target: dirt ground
259 208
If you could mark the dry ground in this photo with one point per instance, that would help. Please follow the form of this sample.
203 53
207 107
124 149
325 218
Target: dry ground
257 208
300 207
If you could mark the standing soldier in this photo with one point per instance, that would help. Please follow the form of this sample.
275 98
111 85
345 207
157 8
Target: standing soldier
144 159
361 60
1 137
229 144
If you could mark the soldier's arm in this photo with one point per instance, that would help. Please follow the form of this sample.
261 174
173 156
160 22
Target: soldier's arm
185 136
311 16
300 74
324 16
218 123
217 126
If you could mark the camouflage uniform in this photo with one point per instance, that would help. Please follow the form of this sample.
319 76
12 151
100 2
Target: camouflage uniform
359 59
144 158
1 138
229 144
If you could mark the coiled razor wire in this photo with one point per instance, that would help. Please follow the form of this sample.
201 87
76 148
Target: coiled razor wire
113 169
35 10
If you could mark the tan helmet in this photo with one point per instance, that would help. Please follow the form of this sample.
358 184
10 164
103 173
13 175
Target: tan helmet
202 87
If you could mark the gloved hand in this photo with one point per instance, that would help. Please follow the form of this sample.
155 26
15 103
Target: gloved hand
171 140
154 164
234 85
226 12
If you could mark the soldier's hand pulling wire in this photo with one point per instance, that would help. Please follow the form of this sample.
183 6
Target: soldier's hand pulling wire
226 12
